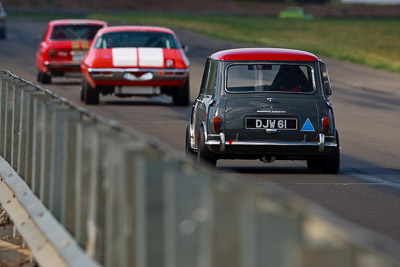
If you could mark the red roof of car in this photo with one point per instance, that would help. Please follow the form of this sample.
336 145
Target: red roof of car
273 54
135 28
76 22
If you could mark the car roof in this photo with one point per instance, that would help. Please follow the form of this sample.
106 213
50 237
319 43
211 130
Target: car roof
58 22
135 28
269 54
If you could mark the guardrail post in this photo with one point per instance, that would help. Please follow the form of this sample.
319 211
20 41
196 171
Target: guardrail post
275 231
206 228
68 211
102 141
116 205
12 109
112 211
39 137
226 239
16 116
27 137
19 88
7 100
186 215
3 100
154 210
59 182
133 233
46 143
84 152
25 130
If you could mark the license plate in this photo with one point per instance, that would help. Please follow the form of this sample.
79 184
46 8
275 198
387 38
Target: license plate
78 56
271 123
139 90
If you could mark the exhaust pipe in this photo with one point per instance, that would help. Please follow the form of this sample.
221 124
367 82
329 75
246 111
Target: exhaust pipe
268 159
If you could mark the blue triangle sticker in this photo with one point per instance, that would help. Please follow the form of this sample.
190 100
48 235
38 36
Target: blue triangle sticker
307 126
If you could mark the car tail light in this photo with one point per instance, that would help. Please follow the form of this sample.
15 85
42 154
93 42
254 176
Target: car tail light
217 124
169 63
325 124
52 53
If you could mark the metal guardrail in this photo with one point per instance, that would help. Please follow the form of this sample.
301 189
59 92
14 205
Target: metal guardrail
83 191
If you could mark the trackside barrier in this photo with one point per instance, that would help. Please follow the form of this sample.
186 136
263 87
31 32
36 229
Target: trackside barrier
83 191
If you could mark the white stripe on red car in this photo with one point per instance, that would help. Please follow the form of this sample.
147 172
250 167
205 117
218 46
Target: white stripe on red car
124 56
142 57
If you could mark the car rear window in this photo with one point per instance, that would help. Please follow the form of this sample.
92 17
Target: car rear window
270 78
74 32
136 39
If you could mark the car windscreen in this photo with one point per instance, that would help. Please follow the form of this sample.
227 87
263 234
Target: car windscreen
74 32
269 78
136 39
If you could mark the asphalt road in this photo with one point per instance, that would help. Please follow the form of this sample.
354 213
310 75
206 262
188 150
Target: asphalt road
366 103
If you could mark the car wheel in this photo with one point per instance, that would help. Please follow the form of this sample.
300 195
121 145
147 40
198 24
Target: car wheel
181 94
3 34
82 91
39 77
203 153
331 162
90 94
188 148
46 78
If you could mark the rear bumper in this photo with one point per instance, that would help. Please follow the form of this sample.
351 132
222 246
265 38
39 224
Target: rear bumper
137 76
218 144
62 66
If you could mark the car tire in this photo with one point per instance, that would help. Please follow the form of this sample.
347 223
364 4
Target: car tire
90 94
181 94
82 91
3 34
203 153
39 77
188 148
45 78
314 163
330 163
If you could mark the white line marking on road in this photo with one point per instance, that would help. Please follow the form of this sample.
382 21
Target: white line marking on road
375 180
365 180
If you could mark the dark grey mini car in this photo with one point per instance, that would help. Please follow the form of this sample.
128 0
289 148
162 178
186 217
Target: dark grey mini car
267 104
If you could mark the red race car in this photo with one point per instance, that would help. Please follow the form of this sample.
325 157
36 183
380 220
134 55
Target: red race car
63 46
135 60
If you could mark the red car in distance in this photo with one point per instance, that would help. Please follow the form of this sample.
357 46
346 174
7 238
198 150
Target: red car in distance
63 46
135 60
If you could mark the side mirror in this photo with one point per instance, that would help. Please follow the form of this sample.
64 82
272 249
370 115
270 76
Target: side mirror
185 48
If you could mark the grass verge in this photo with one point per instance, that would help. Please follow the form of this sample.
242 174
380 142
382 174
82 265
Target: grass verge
370 42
